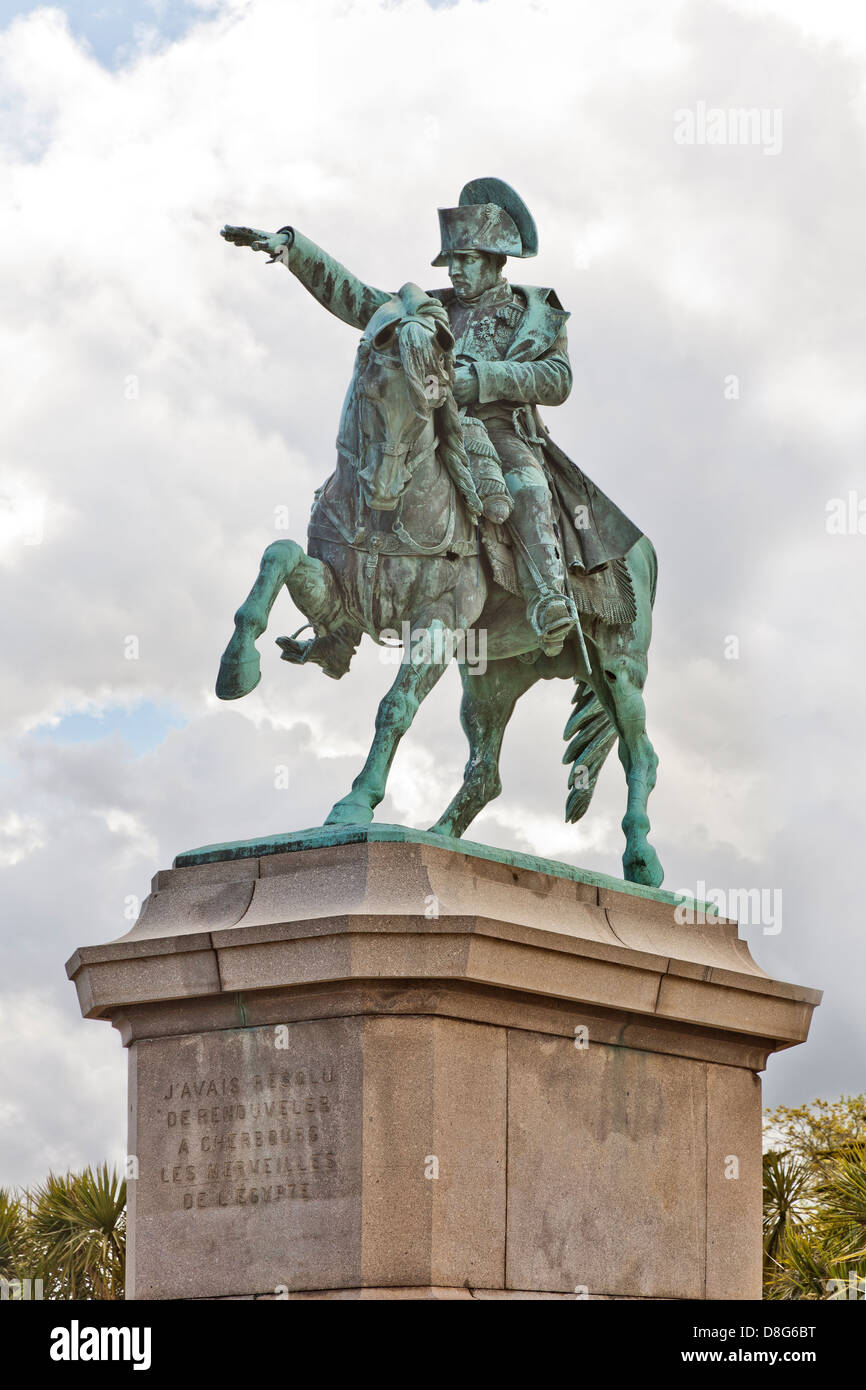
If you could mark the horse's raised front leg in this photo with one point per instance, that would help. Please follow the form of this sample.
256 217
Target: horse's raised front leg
414 682
487 705
313 589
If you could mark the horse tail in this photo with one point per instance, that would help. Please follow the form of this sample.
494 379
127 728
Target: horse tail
589 728
653 563
592 736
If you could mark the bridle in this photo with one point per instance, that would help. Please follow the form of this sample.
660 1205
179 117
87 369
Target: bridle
389 451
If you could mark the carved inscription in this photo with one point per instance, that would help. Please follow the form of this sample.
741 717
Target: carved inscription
252 1138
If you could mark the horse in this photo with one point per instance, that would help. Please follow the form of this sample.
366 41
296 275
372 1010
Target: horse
394 541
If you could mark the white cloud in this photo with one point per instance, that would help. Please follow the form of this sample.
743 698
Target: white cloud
62 1090
19 836
167 391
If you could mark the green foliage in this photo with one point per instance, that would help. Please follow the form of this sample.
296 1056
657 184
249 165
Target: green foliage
823 1127
13 1239
70 1232
815 1200
787 1192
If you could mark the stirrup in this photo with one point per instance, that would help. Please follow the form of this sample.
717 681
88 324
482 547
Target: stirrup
333 651
294 651
554 618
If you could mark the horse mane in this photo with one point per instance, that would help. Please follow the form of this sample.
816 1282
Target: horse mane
423 357
452 451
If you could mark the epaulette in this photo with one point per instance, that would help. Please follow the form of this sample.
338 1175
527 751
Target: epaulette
511 313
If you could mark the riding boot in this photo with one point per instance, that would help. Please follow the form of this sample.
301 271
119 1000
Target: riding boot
549 607
333 651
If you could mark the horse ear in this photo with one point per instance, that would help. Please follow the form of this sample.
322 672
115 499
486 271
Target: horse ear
385 336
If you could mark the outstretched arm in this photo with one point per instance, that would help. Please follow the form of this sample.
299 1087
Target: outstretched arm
326 279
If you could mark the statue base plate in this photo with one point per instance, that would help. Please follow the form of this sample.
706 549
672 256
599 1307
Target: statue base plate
367 1062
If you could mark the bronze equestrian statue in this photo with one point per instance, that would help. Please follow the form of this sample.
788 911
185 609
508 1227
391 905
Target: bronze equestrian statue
451 512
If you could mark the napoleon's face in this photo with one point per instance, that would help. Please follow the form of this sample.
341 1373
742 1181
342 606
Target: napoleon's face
472 272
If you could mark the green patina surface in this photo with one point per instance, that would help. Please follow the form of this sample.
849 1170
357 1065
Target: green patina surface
452 517
324 836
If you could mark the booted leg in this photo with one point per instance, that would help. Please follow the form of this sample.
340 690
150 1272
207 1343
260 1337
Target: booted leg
539 563
313 589
395 714
487 705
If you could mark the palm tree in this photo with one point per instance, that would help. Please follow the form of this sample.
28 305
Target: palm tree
815 1202
843 1198
77 1234
13 1236
803 1268
788 1185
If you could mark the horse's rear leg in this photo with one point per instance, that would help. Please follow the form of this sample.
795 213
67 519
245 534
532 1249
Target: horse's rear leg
618 680
394 716
313 588
487 705
625 676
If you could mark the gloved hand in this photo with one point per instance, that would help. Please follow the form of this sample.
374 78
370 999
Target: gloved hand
465 386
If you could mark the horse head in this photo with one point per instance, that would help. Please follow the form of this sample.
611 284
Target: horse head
402 375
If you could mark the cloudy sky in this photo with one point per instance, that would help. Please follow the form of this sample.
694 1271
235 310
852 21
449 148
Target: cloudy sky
165 393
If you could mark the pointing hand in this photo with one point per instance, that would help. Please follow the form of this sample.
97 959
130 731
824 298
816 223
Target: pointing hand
257 240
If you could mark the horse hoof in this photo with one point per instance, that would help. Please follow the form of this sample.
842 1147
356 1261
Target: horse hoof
349 813
237 678
643 867
442 828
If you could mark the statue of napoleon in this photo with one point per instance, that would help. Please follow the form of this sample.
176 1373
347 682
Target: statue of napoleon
451 512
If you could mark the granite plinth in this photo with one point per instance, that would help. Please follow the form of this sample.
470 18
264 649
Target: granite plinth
366 1065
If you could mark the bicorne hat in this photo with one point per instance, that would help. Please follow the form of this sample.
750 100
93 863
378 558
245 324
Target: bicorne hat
490 217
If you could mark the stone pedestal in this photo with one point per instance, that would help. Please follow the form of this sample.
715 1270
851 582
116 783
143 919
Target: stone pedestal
370 1063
